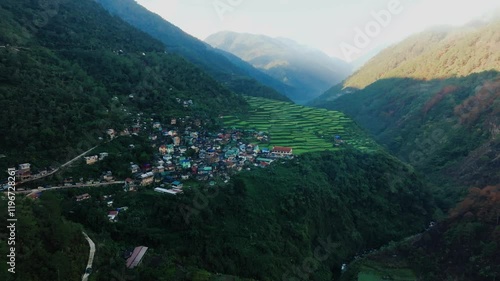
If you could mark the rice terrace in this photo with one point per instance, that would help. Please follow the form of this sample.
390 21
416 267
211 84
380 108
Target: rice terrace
305 129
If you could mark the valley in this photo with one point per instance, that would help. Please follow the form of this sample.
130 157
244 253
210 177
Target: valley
171 159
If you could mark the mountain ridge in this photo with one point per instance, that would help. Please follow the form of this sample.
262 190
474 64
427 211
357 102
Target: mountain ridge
297 65
236 75
65 90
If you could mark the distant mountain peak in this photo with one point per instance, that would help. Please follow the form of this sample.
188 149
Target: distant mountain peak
307 69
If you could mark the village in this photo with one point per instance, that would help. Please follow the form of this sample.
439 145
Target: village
184 151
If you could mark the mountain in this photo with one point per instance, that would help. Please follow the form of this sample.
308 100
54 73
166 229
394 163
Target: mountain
308 70
439 53
69 78
428 101
235 74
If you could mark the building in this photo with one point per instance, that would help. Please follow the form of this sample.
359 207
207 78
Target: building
280 151
112 215
177 184
163 149
24 171
177 141
111 133
108 176
157 125
103 155
136 257
147 178
25 167
82 197
168 191
91 159
134 168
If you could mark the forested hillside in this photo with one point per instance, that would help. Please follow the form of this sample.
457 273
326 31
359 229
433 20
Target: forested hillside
433 100
70 71
331 204
463 247
447 129
235 74
427 100
438 53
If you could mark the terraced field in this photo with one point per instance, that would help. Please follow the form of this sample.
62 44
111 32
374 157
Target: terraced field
306 129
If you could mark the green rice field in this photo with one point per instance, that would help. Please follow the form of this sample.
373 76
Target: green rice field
305 129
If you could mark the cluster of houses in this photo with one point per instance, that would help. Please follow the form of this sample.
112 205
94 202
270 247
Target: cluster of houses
24 172
187 151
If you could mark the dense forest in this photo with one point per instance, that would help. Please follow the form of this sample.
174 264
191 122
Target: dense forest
81 71
463 247
466 245
447 129
273 219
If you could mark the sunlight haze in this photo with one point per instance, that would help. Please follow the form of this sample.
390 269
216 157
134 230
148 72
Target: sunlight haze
323 24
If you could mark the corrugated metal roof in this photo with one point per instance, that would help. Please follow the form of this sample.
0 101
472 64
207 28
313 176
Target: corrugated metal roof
136 256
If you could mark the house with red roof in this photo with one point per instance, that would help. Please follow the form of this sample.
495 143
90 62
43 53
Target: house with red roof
112 215
281 151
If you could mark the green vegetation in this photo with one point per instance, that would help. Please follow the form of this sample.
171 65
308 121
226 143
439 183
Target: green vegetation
68 79
233 73
462 247
444 128
271 218
431 101
435 54
303 128
47 246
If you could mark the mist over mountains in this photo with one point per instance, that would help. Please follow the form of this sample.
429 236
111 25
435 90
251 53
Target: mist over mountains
309 70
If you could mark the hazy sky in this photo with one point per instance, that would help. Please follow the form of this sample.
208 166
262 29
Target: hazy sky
324 24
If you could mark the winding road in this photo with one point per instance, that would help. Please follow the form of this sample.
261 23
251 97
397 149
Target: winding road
85 276
60 167
68 186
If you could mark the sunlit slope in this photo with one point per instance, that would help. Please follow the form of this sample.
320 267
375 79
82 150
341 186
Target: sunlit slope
305 129
435 54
